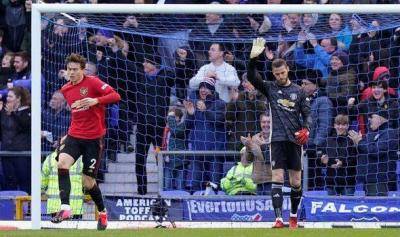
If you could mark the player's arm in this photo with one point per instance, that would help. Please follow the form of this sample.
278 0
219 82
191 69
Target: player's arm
257 48
303 134
107 96
305 110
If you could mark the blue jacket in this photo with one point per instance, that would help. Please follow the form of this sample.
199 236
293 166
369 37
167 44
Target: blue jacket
345 36
320 60
321 114
381 148
207 128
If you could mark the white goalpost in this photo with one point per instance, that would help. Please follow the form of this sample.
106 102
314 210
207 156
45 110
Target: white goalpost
39 9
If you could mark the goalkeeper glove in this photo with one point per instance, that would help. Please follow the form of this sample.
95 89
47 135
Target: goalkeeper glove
258 47
302 136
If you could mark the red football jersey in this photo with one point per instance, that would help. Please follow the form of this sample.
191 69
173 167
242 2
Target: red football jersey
89 122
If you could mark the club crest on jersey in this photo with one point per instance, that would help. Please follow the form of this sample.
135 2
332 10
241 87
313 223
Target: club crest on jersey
83 91
293 96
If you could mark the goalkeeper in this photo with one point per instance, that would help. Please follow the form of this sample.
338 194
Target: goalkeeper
50 186
290 112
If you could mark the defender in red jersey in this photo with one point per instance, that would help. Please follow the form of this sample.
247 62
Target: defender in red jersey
87 96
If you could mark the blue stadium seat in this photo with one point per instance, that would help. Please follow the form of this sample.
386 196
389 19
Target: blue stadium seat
316 193
359 193
174 193
201 193
394 194
221 193
12 193
7 204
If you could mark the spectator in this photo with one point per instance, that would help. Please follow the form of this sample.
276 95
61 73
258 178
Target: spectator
379 149
243 113
339 156
15 23
238 180
222 73
308 22
206 122
380 74
342 31
175 167
6 69
152 96
235 61
55 121
360 49
341 82
185 68
380 103
212 27
320 59
49 186
262 174
15 125
2 48
321 115
321 108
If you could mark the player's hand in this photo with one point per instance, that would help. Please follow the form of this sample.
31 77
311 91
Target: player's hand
88 102
84 103
302 136
258 47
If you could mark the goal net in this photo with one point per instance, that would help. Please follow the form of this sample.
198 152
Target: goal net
186 102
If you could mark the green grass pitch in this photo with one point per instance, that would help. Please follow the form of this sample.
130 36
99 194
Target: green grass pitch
209 233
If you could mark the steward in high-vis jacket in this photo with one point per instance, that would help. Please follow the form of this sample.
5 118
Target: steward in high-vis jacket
50 186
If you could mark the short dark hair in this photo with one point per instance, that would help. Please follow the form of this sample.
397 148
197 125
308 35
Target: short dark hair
24 55
221 46
178 113
279 62
76 58
334 42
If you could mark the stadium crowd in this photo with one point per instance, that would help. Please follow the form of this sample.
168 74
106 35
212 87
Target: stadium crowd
199 97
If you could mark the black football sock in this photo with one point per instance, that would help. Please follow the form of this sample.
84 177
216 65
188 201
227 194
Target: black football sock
64 184
97 198
295 197
277 198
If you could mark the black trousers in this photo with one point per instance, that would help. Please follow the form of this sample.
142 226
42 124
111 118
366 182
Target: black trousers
146 134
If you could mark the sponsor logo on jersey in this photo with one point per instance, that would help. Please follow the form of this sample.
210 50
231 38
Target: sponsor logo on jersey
293 96
286 104
83 91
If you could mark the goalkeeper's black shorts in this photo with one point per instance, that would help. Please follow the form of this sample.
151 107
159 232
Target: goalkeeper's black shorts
286 155
90 149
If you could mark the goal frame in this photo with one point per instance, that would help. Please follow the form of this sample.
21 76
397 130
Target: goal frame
38 9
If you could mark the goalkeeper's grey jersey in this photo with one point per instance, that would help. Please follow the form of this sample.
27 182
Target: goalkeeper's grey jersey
289 106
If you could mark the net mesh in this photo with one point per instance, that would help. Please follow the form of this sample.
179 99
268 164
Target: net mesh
355 64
